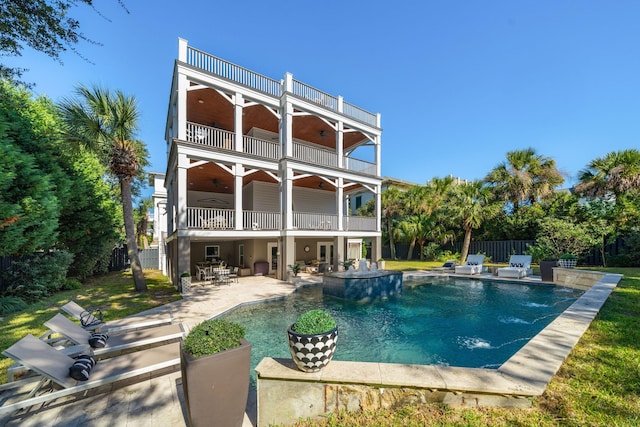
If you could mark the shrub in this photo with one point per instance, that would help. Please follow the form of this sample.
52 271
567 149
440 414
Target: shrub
37 276
213 336
70 284
314 322
11 305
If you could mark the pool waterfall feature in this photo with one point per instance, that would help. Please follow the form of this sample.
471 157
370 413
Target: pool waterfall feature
364 284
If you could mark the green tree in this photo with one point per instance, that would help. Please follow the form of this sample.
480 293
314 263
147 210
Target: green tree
470 205
30 177
391 200
106 123
90 220
43 25
614 174
142 222
525 178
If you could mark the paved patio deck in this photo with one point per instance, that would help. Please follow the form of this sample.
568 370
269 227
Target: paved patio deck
159 401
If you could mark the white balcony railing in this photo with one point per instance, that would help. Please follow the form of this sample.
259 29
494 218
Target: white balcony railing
262 148
256 220
210 219
225 140
223 219
358 165
211 137
359 223
315 155
314 221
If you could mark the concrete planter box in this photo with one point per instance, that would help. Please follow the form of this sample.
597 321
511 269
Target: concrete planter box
216 386
546 270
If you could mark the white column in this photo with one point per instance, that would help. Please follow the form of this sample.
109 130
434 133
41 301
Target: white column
237 121
182 49
378 145
378 206
286 195
181 199
340 144
286 127
339 202
182 107
237 195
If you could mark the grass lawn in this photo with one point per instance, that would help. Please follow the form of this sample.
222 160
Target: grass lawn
112 293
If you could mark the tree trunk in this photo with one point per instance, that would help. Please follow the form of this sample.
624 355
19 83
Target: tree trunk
466 244
392 243
411 246
130 232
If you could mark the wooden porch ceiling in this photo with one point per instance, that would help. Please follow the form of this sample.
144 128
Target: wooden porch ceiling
208 107
210 177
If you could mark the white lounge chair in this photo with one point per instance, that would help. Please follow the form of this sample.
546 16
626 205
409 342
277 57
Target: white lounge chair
519 267
53 365
472 266
77 335
64 333
116 326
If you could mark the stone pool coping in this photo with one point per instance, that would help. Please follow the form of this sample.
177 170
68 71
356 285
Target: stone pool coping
285 393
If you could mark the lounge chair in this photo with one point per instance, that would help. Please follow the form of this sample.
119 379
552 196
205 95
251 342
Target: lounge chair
53 365
77 335
519 267
472 266
116 326
449 264
75 339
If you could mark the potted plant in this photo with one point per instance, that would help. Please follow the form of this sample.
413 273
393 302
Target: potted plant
215 360
381 263
295 269
312 340
346 263
185 282
568 260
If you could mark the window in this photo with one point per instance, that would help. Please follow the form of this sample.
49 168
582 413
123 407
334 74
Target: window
211 253
241 255
358 202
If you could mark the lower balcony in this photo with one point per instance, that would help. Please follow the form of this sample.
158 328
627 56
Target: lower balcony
224 219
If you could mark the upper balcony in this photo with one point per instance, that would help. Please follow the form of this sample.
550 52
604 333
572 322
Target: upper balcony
268 149
275 88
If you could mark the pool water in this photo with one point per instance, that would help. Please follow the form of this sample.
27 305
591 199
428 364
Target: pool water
445 321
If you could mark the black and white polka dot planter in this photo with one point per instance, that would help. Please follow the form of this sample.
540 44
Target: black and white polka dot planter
312 352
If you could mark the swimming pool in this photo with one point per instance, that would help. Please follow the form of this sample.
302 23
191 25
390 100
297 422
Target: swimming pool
442 321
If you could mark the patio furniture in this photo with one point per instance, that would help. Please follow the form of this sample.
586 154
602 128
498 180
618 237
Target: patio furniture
472 266
53 366
76 335
519 267
222 276
260 268
449 265
116 326
233 274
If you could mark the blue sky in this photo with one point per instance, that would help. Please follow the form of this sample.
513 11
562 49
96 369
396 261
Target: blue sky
458 83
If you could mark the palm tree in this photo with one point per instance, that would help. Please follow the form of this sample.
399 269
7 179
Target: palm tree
525 177
106 123
470 206
391 208
615 173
